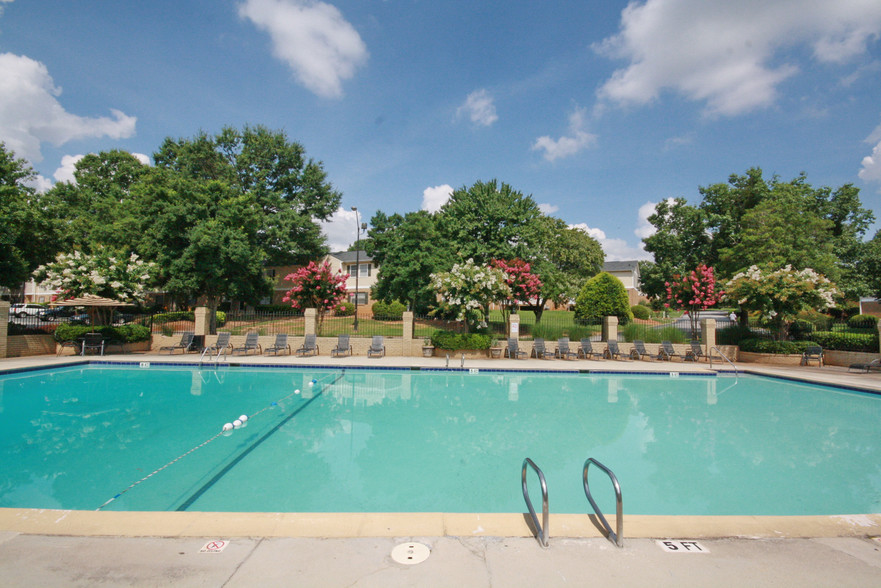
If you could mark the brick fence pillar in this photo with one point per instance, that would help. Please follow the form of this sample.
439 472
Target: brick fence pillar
4 313
408 347
610 328
311 317
514 326
708 334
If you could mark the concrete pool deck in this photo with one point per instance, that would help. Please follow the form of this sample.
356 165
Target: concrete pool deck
70 548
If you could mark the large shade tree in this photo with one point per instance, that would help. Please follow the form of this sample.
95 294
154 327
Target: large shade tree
28 235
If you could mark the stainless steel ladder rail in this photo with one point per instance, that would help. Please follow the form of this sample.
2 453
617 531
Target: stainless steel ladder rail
542 529
723 356
618 536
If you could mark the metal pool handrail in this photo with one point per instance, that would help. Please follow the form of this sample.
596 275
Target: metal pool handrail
722 355
542 530
616 537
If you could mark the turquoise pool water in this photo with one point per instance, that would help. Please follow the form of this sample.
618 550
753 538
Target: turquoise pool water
419 441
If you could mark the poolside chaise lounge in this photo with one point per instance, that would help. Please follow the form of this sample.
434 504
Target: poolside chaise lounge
343 347
612 351
563 351
585 350
696 353
875 364
539 351
94 341
185 344
309 346
667 351
513 349
377 347
252 343
280 344
221 344
812 353
639 351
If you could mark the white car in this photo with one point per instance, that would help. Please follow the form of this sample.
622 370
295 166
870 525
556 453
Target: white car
23 310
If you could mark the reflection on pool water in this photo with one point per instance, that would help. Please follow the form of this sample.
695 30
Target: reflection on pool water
432 441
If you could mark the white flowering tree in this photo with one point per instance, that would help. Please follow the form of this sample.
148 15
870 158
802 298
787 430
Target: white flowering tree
118 278
468 289
779 295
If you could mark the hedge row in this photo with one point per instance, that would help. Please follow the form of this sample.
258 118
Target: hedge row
124 333
451 340
846 341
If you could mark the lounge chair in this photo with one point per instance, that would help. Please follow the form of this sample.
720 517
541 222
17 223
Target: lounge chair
280 344
94 341
639 351
612 351
309 346
696 353
186 342
513 350
343 347
563 351
812 353
221 344
377 347
667 351
875 364
539 350
251 344
586 351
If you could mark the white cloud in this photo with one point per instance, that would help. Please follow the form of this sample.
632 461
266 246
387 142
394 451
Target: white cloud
68 166
320 46
728 54
479 108
548 209
340 229
39 183
871 164
566 146
614 249
31 114
434 198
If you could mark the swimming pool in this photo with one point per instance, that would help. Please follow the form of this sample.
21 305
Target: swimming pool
431 441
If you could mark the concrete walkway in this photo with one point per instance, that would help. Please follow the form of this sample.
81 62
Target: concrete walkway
28 560
800 555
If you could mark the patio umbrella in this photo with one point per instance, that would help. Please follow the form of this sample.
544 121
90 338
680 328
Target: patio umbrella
93 303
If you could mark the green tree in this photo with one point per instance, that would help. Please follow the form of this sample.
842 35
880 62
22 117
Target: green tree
564 258
603 295
204 236
869 265
28 236
468 289
290 191
488 221
96 207
407 249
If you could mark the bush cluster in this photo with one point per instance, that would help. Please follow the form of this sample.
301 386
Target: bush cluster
345 309
867 342
125 333
757 345
388 311
452 340
641 312
862 321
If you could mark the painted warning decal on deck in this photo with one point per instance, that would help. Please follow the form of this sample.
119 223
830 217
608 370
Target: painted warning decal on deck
215 546
680 546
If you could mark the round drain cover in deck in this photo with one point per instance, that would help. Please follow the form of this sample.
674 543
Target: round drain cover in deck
410 553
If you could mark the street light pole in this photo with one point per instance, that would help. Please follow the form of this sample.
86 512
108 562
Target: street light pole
357 262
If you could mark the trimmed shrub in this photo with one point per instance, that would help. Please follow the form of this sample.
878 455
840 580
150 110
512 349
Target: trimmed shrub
452 340
126 333
862 321
603 295
344 309
770 346
867 342
388 311
641 312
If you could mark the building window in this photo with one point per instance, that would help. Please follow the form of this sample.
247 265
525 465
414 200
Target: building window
362 298
365 270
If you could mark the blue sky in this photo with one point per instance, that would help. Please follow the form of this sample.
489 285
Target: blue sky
598 109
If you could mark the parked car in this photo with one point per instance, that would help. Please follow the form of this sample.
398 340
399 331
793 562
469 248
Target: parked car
52 314
80 319
23 310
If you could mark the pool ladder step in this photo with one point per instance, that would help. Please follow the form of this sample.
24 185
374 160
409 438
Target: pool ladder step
541 529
